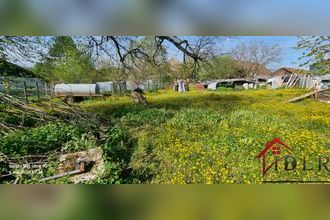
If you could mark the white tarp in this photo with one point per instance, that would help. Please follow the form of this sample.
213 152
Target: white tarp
76 89
212 86
246 85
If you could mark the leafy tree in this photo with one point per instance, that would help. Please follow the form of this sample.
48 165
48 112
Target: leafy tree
154 64
61 46
157 53
119 49
189 70
44 69
222 67
316 53
109 73
66 63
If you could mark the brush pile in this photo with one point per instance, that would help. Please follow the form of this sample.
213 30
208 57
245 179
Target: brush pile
15 113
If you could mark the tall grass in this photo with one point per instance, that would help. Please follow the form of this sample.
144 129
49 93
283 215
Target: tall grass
213 137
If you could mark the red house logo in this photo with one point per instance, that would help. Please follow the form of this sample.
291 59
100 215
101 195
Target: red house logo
275 146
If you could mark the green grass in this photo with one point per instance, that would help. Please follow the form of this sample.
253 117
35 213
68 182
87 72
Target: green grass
213 137
192 137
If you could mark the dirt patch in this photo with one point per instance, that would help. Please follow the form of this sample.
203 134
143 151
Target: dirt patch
92 159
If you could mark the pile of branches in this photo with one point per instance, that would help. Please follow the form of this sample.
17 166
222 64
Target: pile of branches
40 113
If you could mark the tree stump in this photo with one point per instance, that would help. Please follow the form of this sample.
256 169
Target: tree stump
138 96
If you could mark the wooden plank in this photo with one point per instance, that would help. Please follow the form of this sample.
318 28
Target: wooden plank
294 84
290 81
286 86
294 81
306 95
324 101
304 82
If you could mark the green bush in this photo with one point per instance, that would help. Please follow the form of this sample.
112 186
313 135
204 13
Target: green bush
118 146
85 141
38 140
4 167
111 174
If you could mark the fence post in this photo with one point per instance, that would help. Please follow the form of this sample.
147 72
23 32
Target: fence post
315 90
38 92
52 89
46 94
7 86
25 92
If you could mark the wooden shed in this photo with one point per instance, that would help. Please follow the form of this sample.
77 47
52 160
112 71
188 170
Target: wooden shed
286 72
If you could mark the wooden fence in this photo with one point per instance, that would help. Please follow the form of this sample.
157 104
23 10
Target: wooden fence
297 81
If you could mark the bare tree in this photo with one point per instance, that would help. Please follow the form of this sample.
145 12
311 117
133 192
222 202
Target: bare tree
121 50
22 48
126 53
254 55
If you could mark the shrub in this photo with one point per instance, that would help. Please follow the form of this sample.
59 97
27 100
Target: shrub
85 141
118 146
38 140
4 168
111 174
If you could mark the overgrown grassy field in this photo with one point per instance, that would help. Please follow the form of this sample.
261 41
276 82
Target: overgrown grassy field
192 137
212 137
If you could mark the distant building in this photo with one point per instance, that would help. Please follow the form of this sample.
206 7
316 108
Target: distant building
254 70
285 73
288 70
